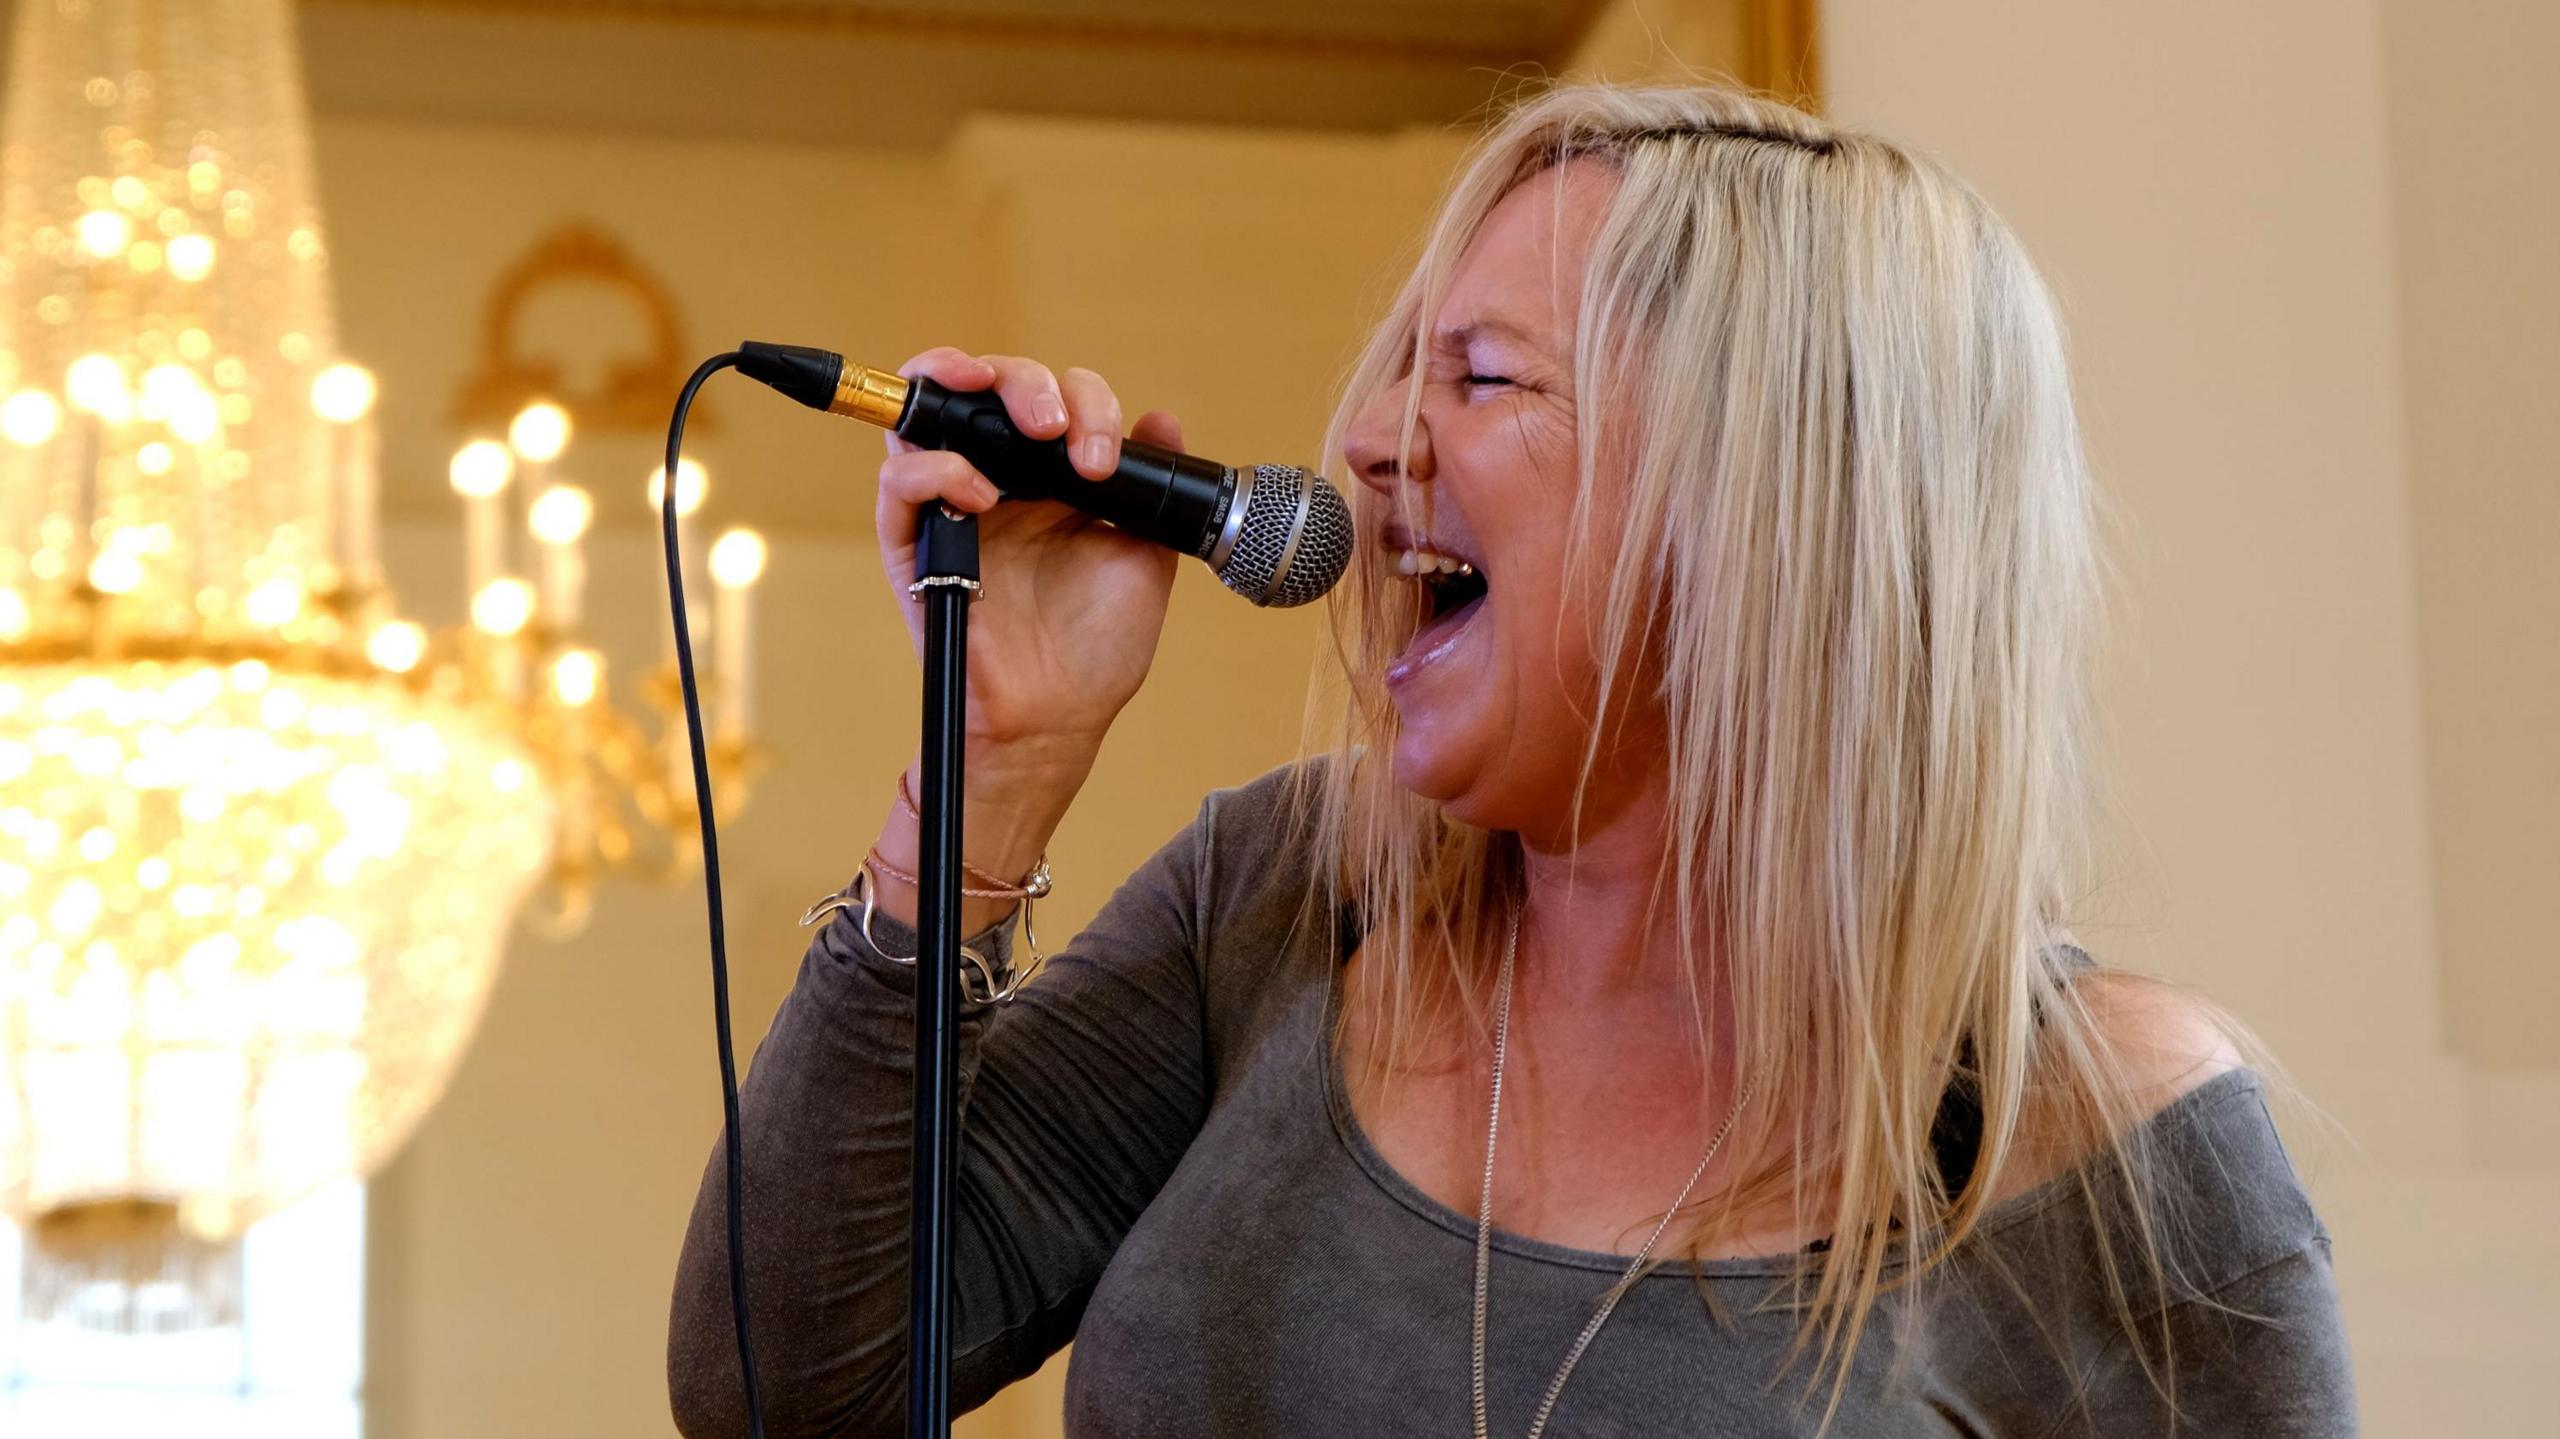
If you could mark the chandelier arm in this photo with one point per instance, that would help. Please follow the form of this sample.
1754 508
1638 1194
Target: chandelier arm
736 1163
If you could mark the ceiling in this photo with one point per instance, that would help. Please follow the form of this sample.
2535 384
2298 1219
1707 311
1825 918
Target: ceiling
894 71
1455 26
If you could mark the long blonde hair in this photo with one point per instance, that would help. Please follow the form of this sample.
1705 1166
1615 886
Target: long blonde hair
1855 542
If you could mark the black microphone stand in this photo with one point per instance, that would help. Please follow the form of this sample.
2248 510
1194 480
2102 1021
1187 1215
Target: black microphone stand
946 582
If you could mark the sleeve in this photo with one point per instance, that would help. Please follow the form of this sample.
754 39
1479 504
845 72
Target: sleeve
2265 1356
1077 1101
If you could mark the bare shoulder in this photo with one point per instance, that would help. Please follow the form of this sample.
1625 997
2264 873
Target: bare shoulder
2221 1198
2162 1041
2152 1040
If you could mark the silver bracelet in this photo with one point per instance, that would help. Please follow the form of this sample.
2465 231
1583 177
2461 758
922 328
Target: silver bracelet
992 987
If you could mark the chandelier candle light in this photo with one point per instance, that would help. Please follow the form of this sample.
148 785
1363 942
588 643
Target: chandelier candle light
603 757
262 838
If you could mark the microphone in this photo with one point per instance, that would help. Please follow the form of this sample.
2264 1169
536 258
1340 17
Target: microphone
1274 534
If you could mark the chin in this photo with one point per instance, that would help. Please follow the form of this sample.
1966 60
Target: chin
1425 766
1438 769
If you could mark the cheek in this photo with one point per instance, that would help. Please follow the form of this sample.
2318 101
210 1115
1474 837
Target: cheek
1557 624
1518 485
1546 639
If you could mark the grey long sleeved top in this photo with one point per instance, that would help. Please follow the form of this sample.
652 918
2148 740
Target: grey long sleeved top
1159 1163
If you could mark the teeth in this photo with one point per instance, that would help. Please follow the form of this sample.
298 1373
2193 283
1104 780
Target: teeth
1425 562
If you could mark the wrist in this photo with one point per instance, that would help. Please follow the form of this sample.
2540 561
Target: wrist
1036 778
1053 757
1014 796
993 844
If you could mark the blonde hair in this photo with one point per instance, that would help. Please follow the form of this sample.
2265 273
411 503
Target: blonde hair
1855 542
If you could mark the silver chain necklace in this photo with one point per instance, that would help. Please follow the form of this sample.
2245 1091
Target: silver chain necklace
1484 1209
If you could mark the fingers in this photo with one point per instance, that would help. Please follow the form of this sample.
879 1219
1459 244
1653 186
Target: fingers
1030 392
953 369
1030 395
1159 428
1077 405
1093 424
950 368
915 478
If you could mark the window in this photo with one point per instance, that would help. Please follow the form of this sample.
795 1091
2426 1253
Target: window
290 1369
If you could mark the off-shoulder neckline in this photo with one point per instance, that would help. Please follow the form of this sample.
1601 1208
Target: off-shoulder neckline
2183 1112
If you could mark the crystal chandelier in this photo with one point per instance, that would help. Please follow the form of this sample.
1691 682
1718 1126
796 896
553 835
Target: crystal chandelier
261 838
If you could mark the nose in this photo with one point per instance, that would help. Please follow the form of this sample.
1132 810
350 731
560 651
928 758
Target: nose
1369 446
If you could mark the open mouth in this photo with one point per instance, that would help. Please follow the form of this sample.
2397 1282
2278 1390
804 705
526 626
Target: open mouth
1451 593
1447 592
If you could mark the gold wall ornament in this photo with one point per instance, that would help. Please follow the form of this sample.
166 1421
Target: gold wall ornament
636 391
625 786
1782 50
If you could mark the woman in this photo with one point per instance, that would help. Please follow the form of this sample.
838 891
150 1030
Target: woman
1656 1016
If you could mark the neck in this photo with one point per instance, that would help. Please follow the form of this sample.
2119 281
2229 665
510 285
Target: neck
1592 920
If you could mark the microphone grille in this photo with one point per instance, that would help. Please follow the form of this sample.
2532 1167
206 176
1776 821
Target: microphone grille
1294 541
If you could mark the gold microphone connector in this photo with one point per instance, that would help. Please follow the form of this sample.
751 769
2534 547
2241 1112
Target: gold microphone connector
873 396
825 380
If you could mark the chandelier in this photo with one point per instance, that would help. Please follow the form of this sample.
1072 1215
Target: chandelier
626 788
261 837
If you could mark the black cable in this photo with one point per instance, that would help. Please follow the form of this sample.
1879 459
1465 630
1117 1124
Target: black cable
737 1177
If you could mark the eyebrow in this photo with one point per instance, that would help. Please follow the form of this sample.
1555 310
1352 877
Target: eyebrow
1457 337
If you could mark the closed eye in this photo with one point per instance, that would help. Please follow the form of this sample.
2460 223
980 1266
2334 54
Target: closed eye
1480 381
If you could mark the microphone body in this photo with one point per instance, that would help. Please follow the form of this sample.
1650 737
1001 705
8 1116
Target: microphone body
1273 533
1177 500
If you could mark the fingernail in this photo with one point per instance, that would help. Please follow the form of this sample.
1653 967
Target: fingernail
1047 413
1093 454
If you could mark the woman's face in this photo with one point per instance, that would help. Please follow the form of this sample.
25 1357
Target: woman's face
1495 692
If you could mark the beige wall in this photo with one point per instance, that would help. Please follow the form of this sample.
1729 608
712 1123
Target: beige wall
2205 187
2300 247
2473 119
2211 189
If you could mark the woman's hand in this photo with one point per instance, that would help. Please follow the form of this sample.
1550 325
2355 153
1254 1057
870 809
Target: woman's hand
1063 633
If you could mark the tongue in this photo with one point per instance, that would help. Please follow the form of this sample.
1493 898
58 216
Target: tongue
1443 625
